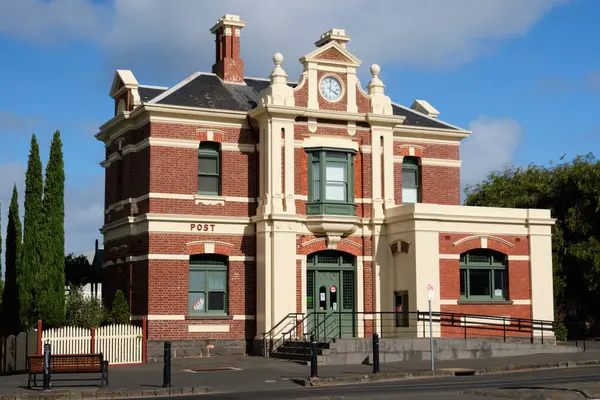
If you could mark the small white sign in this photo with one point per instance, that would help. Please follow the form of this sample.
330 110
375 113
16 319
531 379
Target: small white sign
430 292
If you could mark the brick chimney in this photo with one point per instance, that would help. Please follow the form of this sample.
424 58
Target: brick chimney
333 35
229 66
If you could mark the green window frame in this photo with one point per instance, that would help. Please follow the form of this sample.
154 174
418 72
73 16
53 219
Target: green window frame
330 181
483 275
411 180
208 288
209 168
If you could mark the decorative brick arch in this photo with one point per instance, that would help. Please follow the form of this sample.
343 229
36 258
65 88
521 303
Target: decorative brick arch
345 245
411 150
483 242
210 135
209 247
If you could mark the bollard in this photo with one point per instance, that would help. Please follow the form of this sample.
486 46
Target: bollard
167 366
375 353
47 371
313 357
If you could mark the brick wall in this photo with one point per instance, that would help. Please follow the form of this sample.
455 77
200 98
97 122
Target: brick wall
439 184
519 282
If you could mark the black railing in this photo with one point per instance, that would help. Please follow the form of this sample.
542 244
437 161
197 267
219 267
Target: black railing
327 327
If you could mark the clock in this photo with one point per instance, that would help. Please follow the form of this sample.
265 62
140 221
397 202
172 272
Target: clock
331 88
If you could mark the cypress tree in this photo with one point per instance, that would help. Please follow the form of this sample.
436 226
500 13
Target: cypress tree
51 306
32 272
10 297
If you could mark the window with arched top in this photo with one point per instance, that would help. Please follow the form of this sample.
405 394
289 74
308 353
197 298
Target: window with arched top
209 168
483 275
411 180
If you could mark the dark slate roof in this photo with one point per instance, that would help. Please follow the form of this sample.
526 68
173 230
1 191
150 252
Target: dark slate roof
147 94
414 118
208 91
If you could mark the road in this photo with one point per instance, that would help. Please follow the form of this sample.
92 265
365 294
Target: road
434 388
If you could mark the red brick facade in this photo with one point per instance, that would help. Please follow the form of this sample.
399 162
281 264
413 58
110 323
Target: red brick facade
519 281
155 220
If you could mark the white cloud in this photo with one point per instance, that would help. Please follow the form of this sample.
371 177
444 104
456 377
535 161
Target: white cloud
159 36
83 208
489 148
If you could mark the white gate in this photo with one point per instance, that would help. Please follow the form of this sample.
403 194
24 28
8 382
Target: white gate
120 344
68 340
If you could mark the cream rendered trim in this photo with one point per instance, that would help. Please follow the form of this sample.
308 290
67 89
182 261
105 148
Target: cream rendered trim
449 256
483 237
410 133
437 162
425 140
332 68
351 82
515 302
154 87
330 141
199 199
208 328
156 317
172 257
244 317
518 258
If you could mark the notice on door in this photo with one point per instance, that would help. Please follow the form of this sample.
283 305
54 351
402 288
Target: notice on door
322 296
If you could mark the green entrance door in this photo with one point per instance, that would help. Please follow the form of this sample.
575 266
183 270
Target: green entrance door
330 294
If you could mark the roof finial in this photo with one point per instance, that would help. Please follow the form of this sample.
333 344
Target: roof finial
278 92
379 102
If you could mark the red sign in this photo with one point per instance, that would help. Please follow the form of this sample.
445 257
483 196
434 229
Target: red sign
202 227
332 289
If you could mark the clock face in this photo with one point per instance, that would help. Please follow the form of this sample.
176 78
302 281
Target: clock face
331 88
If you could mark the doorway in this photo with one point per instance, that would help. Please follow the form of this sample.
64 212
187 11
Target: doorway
330 294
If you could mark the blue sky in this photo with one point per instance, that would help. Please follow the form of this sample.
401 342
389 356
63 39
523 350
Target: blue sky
523 75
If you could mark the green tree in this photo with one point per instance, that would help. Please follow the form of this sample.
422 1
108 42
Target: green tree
33 276
120 313
51 304
14 244
571 190
83 312
1 281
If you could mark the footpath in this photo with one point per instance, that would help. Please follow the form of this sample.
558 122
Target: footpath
238 373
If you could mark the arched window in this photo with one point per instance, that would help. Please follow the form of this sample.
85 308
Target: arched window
411 180
483 275
207 291
209 168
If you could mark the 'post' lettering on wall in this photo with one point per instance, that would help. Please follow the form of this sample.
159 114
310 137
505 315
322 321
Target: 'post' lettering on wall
202 227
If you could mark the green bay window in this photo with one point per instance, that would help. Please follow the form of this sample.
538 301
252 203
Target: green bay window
207 293
330 182
411 180
209 168
483 275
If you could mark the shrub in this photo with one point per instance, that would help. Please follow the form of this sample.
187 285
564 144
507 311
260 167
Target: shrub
120 313
83 312
560 331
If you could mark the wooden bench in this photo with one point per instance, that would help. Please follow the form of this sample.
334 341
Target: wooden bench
68 364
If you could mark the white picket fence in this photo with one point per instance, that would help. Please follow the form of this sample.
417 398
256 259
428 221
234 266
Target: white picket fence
120 344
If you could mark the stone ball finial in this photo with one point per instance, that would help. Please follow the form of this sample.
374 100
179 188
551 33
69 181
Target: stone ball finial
375 69
278 58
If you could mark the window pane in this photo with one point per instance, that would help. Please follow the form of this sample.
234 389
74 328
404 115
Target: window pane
409 178
216 301
317 191
499 283
335 172
331 154
197 302
410 195
463 282
316 172
197 282
335 191
479 282
208 184
217 280
208 165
